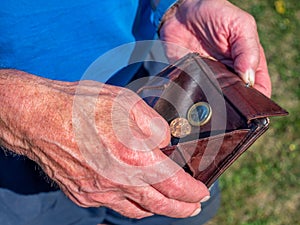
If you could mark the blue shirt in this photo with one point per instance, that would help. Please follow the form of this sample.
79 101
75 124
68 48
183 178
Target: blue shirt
59 39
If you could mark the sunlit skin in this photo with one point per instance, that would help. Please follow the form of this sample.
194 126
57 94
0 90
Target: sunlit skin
218 29
68 128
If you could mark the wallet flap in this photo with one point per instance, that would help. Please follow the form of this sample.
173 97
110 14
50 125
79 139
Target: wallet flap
251 103
235 115
198 74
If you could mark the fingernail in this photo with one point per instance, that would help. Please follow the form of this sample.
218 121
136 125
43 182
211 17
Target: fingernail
206 198
249 77
196 212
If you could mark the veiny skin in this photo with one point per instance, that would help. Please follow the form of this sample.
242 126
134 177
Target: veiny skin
64 126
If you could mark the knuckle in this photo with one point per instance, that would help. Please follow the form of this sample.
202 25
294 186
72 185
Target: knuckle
251 20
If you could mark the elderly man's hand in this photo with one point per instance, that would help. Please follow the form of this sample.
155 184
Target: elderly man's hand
100 143
218 29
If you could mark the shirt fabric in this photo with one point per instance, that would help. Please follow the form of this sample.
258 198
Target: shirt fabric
59 39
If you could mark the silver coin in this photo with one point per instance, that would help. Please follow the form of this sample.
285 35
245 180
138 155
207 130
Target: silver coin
199 114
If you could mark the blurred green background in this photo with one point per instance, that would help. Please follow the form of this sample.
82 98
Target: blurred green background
263 186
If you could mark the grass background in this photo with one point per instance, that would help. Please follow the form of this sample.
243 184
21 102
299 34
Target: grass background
263 186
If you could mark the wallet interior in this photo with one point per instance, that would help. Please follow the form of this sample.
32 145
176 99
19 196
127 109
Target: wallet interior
239 114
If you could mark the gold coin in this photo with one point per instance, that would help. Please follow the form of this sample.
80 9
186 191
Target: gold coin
180 127
199 114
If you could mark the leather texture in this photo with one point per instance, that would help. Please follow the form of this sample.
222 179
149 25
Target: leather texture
239 114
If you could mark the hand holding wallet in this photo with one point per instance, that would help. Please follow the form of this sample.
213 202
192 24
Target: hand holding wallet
213 115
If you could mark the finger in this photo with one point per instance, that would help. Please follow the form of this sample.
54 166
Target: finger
129 209
183 187
123 206
136 124
245 48
151 200
262 78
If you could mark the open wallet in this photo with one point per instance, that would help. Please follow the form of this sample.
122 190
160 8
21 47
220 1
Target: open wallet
213 115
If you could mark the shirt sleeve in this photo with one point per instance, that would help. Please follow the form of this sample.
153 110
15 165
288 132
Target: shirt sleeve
159 8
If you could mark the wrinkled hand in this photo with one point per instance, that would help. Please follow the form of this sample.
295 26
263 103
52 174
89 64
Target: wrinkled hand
218 29
101 143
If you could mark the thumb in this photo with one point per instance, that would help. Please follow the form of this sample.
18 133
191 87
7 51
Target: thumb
245 47
152 125
246 56
250 63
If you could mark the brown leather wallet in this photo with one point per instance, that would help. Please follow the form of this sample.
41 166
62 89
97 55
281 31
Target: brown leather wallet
213 115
